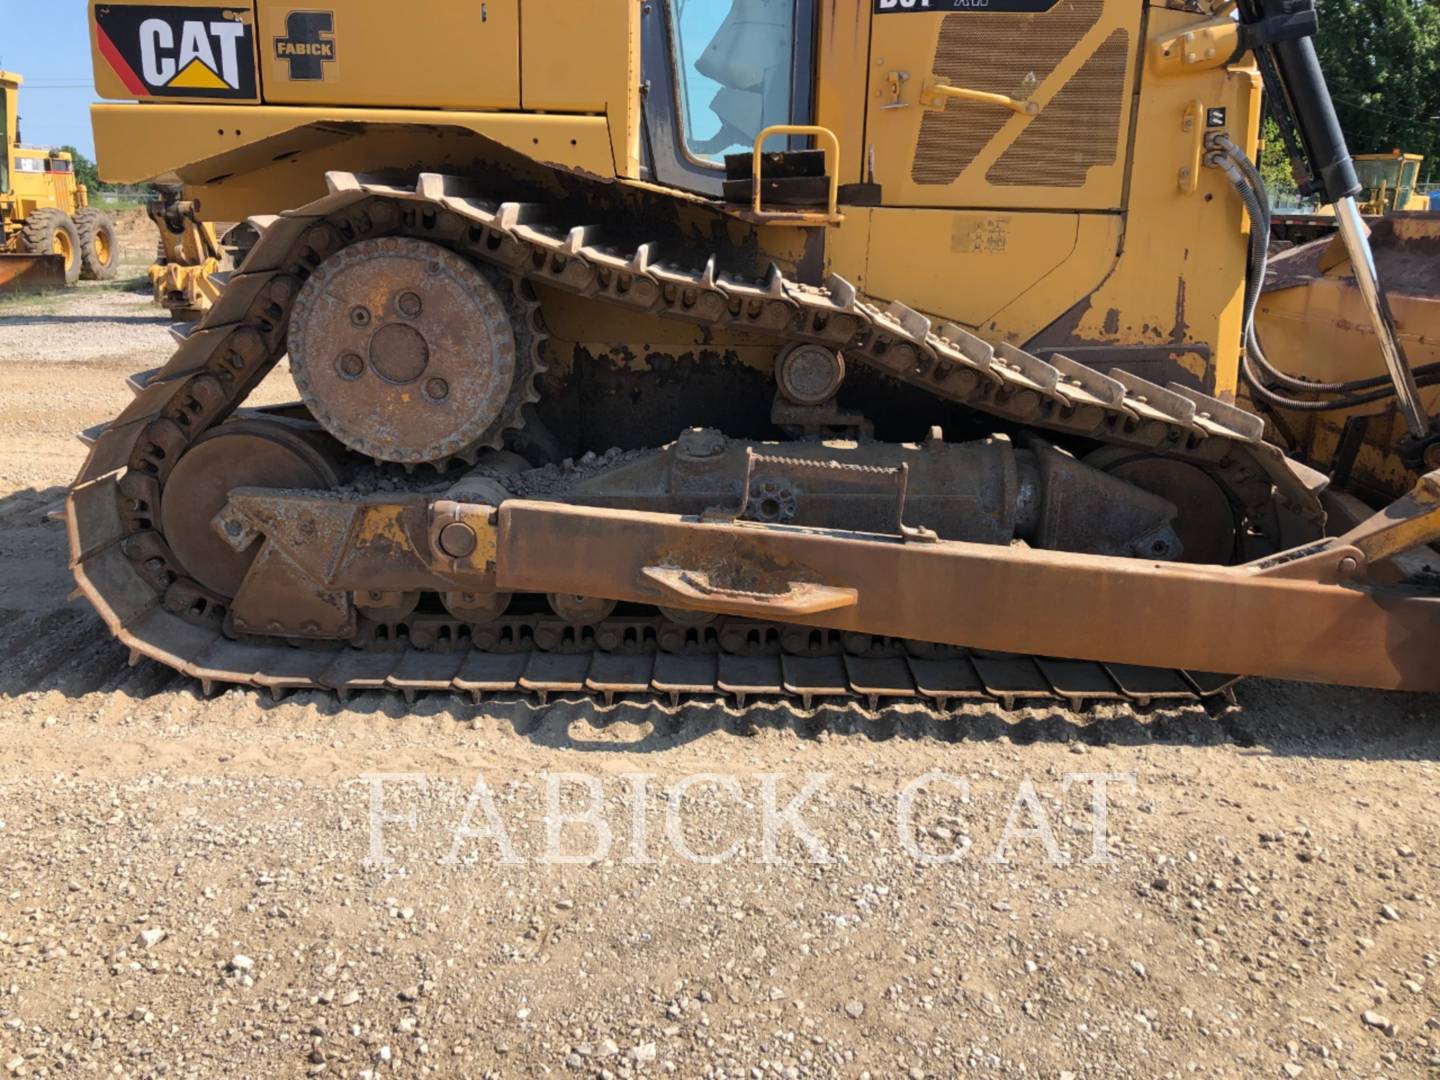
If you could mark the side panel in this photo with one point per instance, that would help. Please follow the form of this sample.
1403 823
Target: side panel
585 58
570 52
183 50
1073 61
1007 274
1175 298
267 159
442 54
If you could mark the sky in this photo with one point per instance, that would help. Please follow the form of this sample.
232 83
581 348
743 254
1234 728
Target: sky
48 42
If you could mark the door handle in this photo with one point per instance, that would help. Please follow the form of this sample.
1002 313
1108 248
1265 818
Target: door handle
936 92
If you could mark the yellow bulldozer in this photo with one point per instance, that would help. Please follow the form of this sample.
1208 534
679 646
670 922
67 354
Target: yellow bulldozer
874 349
49 234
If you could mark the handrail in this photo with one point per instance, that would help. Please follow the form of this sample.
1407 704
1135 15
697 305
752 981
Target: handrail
818 132
936 89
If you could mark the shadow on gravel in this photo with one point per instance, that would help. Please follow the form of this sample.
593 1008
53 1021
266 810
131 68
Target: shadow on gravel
48 643
1395 726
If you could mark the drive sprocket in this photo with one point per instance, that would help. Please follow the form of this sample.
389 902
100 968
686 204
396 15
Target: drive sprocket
407 353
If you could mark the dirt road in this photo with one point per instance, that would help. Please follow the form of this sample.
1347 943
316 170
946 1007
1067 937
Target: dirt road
189 888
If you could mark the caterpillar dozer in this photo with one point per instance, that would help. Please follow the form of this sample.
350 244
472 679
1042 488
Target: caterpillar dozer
872 349
49 234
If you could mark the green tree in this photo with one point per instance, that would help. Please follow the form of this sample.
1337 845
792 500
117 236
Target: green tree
1275 163
1381 59
85 171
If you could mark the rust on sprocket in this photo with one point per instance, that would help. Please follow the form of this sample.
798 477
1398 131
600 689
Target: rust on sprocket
404 351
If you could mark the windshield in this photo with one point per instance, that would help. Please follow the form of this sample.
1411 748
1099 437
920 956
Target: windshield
1374 173
734 59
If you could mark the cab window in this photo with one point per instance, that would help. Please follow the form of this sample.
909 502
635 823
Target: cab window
1408 174
737 65
4 140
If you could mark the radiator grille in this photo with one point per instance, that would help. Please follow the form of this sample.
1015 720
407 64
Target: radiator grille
1004 54
1079 127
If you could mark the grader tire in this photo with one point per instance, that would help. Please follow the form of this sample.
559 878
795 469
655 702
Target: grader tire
99 249
51 232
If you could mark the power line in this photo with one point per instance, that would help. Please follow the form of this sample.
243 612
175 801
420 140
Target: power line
1425 123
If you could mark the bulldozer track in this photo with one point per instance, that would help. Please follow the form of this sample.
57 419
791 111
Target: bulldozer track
123 564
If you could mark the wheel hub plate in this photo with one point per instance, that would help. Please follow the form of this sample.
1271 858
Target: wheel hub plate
402 350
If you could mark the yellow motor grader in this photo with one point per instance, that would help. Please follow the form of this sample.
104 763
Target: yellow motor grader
49 234
875 348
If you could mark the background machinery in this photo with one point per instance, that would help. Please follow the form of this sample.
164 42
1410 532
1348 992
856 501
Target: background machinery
1390 183
194 258
188 258
646 348
49 235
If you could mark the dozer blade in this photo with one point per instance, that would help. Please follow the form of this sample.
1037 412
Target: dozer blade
27 273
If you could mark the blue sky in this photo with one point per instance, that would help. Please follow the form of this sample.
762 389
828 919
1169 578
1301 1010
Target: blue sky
48 42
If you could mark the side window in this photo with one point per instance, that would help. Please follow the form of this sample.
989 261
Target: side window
4 140
1408 174
737 68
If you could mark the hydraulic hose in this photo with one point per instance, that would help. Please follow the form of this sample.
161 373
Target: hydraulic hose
1256 368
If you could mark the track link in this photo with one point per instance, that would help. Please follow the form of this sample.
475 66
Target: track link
123 565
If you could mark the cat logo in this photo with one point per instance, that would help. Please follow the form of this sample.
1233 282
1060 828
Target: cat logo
163 51
308 44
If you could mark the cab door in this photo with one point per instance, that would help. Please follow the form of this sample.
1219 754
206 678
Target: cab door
1008 104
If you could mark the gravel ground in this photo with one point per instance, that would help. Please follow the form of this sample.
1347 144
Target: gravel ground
189 887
